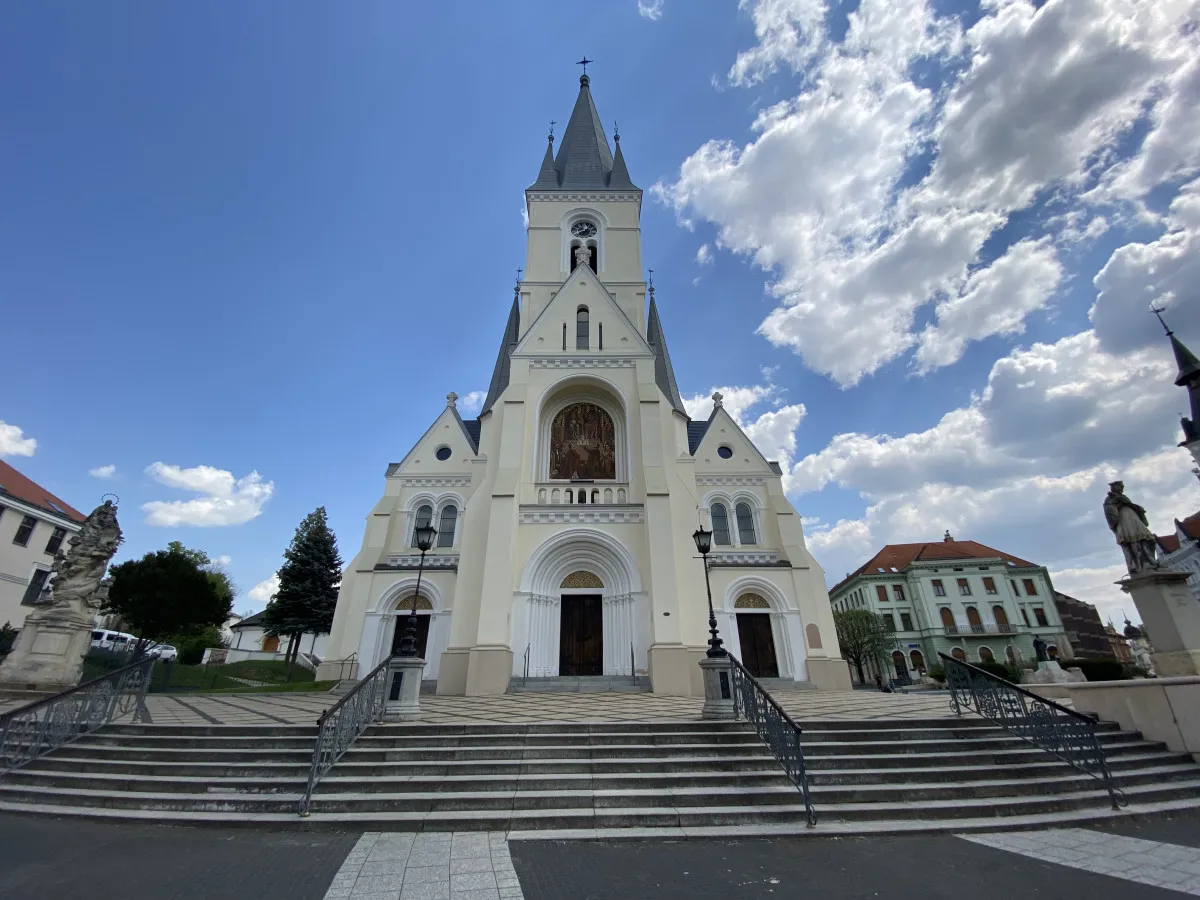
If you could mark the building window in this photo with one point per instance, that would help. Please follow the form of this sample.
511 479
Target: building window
881 593
1025 616
964 587
898 592
56 540
989 584
985 655
36 583
906 621
1040 615
745 523
939 589
446 525
973 619
1000 615
889 621
24 530
947 617
424 518
1030 587
582 328
720 524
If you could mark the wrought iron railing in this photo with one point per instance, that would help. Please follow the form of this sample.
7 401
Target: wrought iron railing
774 726
44 725
342 723
998 628
1062 732
525 672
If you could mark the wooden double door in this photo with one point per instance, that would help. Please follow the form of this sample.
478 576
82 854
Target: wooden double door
758 644
581 638
422 634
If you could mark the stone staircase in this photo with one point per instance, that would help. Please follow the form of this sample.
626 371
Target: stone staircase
581 684
611 780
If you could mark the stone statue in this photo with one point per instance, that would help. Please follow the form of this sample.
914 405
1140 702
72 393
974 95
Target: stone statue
56 636
76 581
1039 647
583 256
1131 528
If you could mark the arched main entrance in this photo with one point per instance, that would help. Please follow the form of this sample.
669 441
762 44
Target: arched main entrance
580 586
755 639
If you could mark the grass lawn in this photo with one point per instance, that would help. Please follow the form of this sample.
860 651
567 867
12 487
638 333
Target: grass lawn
174 677
270 670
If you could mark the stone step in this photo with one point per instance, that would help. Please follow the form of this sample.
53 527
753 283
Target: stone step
585 684
1048 766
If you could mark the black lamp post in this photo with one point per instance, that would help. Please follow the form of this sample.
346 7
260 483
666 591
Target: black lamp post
424 535
703 541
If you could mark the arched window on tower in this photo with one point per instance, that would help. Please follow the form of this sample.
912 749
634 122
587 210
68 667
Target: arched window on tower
424 517
745 524
582 328
446 525
720 524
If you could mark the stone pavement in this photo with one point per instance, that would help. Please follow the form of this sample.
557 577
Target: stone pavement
435 866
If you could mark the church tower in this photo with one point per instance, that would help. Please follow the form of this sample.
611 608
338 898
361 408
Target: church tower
565 511
1188 377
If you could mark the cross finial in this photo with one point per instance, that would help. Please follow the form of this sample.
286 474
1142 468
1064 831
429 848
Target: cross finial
584 62
1158 311
451 398
718 399
553 122
616 131
651 272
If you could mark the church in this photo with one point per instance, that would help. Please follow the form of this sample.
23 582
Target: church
564 511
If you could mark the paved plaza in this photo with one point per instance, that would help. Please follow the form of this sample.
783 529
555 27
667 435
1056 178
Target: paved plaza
42 858
302 708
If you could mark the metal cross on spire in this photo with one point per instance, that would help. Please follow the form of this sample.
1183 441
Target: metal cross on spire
553 122
519 271
584 62
616 130
651 283
1158 311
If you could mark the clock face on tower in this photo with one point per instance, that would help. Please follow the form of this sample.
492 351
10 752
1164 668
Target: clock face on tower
583 229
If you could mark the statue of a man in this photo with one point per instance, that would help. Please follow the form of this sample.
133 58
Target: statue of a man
1131 528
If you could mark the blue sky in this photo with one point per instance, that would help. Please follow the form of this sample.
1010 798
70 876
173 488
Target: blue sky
247 249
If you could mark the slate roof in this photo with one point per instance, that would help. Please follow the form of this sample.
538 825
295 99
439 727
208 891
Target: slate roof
1189 366
500 374
696 432
664 372
14 484
900 556
584 160
473 427
251 621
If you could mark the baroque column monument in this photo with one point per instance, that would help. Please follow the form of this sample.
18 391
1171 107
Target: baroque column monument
1164 600
50 649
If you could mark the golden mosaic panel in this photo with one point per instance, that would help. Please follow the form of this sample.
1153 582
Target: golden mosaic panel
751 601
582 579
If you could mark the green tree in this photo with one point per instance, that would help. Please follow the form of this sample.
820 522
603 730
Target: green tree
308 584
216 574
863 636
165 593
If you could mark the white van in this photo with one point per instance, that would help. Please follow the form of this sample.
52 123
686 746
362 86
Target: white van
113 641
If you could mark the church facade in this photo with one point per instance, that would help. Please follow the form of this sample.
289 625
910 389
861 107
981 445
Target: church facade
565 511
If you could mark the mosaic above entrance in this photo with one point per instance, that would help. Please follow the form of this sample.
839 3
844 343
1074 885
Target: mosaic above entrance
583 443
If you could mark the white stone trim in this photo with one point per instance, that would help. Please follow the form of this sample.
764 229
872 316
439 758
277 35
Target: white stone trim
581 548
746 557
413 560
787 625
579 362
442 481
568 514
585 196
402 587
730 480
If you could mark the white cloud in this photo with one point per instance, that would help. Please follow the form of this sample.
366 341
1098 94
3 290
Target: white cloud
225 500
223 560
103 471
832 194
704 256
472 402
262 592
650 9
13 441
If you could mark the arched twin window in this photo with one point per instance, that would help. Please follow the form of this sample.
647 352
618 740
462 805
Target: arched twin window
446 525
720 524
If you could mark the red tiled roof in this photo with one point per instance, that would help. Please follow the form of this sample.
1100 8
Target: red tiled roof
1189 526
901 556
14 484
1168 542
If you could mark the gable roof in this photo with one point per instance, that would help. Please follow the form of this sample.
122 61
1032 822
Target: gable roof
584 160
250 621
14 484
1190 528
900 556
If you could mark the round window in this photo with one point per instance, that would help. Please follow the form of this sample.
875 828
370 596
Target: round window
443 453
725 451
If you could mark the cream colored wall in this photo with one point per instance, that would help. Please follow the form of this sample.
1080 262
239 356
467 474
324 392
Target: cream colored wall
17 563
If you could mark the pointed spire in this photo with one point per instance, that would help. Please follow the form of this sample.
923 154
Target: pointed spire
1189 366
584 160
512 334
664 372
547 177
619 179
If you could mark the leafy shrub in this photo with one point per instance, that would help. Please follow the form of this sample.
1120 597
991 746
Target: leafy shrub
937 673
1097 669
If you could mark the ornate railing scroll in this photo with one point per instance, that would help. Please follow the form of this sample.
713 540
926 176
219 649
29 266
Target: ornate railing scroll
44 725
341 725
1062 732
774 726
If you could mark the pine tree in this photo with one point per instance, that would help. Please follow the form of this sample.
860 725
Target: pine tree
308 583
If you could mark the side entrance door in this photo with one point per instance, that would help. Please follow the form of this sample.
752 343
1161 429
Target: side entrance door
581 640
758 646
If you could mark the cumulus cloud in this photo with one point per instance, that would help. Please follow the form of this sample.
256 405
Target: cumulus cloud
704 256
103 471
650 9
260 595
224 500
472 402
13 441
919 140
223 560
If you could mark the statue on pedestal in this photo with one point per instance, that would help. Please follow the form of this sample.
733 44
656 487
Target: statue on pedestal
1131 529
56 635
